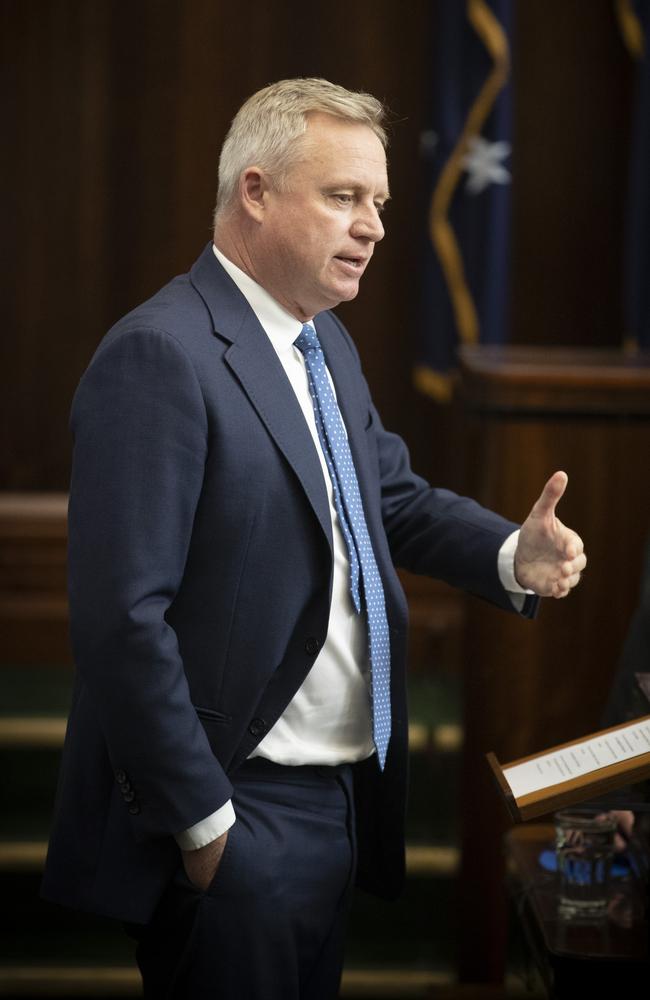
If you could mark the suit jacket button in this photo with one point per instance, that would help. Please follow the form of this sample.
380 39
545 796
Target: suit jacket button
257 727
134 808
312 645
120 776
129 795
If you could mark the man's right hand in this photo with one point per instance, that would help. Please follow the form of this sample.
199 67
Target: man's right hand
201 865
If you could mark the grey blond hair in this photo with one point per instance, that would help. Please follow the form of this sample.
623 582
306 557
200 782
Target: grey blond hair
268 128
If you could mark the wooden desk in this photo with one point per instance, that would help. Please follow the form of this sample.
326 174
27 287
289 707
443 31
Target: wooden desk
529 411
576 959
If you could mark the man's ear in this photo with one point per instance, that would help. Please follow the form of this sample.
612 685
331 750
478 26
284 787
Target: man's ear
253 188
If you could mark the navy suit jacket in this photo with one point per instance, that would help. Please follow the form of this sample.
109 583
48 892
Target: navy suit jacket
200 569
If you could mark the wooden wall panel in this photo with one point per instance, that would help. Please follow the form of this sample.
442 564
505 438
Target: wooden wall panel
113 115
574 80
531 685
33 587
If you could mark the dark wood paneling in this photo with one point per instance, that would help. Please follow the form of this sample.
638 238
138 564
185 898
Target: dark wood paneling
33 589
113 117
574 84
528 685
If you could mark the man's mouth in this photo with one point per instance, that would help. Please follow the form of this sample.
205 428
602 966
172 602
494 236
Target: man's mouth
357 263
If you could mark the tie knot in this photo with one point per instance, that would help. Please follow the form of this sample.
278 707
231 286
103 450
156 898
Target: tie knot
307 340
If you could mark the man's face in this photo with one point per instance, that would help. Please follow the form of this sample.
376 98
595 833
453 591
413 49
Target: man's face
318 234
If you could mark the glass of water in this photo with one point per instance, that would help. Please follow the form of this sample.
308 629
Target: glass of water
584 848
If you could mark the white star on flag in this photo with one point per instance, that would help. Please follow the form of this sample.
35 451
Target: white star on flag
483 164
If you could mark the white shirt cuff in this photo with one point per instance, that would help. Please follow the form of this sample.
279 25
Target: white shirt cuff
506 568
208 829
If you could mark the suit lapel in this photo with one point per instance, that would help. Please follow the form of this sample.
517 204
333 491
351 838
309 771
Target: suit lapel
263 379
252 359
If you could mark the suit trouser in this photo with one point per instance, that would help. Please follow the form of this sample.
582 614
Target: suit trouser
271 925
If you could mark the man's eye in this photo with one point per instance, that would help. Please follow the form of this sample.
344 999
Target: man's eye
345 199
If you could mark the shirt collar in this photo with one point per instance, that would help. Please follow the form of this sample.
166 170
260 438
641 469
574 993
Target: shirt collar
280 326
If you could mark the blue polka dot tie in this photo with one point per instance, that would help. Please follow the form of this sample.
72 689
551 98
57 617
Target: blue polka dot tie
365 582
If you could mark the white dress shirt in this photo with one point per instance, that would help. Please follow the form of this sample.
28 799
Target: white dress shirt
328 721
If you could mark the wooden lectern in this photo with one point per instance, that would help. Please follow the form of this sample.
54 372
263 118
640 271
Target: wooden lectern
528 412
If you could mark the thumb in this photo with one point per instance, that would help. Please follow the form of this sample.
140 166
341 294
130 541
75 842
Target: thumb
551 494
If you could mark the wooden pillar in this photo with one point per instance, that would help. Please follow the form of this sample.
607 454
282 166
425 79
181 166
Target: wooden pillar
528 412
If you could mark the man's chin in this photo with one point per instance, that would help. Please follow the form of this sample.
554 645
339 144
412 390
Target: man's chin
331 298
346 292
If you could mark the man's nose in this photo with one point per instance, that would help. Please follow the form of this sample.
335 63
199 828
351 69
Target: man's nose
368 225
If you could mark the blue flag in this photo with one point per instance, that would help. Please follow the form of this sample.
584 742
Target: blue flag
466 155
635 24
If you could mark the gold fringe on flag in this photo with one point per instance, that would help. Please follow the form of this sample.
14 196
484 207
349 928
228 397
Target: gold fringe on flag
631 28
634 38
445 244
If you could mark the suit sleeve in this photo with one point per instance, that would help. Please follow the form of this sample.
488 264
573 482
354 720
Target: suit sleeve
140 443
438 533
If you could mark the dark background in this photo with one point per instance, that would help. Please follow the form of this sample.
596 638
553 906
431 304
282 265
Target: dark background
113 113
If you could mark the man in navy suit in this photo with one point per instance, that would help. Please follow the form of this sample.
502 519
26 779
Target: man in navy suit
220 790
